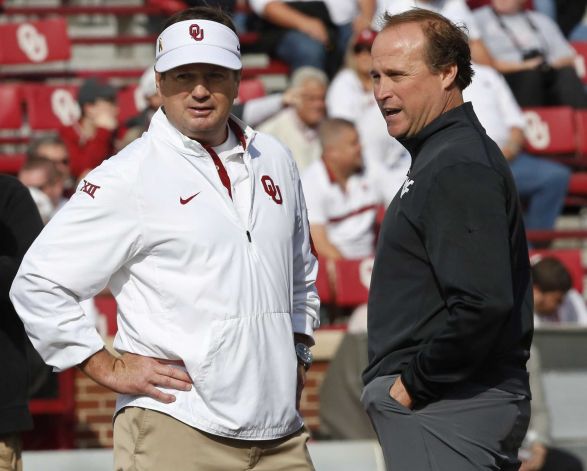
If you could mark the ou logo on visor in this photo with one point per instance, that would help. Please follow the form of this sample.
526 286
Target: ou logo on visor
196 32
271 189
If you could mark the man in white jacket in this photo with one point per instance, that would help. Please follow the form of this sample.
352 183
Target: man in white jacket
200 230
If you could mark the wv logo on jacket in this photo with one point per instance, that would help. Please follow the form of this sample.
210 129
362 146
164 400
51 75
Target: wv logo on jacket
406 187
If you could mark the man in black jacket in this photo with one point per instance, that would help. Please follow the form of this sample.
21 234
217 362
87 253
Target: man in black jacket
450 308
20 224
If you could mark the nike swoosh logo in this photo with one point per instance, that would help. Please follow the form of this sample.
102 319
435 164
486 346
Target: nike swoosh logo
187 200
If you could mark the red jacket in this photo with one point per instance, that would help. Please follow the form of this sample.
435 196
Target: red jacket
89 154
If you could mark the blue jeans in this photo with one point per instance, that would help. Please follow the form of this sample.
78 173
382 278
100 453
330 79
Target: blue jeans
547 7
542 185
299 49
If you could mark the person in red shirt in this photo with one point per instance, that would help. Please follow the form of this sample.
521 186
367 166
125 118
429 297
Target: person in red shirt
91 140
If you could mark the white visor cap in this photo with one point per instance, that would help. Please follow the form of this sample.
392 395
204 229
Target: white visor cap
197 42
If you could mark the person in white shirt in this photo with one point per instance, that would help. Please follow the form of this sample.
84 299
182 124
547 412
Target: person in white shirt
555 299
342 201
456 11
350 97
542 184
297 126
532 53
200 230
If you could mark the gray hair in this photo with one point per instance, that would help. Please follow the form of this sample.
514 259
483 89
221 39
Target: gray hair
304 74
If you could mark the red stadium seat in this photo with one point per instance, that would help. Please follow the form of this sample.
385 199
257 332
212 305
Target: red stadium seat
581 60
550 131
578 184
11 109
352 281
50 107
323 282
34 42
571 259
581 128
577 192
250 88
472 4
11 163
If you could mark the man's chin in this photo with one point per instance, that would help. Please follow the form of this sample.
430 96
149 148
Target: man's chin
397 134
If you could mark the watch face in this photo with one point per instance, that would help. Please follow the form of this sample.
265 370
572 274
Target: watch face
304 354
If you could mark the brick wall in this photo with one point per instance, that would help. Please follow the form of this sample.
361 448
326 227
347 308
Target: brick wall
94 406
310 403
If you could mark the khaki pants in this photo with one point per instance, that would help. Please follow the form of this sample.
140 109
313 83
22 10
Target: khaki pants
147 440
10 452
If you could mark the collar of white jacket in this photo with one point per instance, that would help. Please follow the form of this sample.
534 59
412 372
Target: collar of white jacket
197 42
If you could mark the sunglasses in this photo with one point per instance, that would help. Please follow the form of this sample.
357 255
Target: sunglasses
358 48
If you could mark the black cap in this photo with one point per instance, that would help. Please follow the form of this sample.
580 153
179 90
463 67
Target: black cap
93 89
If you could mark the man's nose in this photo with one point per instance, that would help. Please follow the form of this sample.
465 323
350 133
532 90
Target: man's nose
382 89
200 90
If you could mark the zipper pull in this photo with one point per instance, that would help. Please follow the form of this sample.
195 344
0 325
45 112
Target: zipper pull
249 236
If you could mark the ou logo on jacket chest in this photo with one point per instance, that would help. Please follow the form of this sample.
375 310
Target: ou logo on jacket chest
271 189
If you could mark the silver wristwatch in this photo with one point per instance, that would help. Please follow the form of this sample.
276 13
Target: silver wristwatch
304 355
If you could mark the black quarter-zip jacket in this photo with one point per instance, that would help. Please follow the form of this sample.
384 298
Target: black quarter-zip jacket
451 295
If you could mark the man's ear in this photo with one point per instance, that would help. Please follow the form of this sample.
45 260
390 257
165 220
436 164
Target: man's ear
449 76
158 77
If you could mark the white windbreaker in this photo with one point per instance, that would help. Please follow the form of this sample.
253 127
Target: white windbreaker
189 284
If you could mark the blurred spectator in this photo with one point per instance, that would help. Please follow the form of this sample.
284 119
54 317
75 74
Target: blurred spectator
350 96
312 33
536 453
297 126
342 202
456 11
541 184
260 109
19 226
567 13
555 299
51 148
139 123
532 53
91 140
41 175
